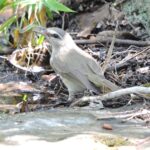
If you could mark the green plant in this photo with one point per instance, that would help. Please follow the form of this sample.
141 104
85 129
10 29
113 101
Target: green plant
32 12
138 12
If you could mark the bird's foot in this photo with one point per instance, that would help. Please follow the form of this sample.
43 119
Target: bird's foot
74 96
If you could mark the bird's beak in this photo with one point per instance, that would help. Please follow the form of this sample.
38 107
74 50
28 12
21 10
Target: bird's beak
40 30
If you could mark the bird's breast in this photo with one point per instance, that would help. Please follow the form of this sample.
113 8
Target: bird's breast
58 62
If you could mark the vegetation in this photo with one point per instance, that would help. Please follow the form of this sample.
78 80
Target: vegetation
26 13
138 12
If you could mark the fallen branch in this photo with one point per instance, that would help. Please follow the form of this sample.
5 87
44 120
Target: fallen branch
132 90
125 115
126 62
104 39
110 51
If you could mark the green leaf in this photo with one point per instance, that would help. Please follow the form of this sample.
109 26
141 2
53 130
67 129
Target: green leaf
2 3
26 2
40 40
56 6
27 28
30 10
7 23
40 5
25 97
49 13
35 13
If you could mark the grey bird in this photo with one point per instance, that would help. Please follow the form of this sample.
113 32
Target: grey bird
78 70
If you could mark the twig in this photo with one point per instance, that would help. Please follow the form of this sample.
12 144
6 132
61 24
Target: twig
131 116
125 62
115 94
104 39
4 57
63 21
109 54
148 48
126 117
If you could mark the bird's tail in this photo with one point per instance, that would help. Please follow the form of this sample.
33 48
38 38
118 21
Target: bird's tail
104 84
108 86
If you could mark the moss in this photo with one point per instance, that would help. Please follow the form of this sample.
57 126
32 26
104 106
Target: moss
138 12
112 141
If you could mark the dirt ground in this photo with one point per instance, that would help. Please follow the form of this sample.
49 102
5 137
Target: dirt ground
92 27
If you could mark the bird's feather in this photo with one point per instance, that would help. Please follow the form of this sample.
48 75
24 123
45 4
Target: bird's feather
84 69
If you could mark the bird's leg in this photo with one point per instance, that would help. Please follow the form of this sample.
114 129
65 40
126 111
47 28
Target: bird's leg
71 96
74 95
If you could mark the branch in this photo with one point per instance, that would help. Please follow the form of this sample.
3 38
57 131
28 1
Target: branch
104 39
126 62
132 90
110 51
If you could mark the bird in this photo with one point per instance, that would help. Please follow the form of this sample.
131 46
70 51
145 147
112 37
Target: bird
78 70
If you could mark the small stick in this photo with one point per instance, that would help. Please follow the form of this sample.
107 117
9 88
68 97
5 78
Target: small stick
115 94
104 39
110 51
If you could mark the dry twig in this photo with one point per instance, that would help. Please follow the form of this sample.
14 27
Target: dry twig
109 54
104 39
132 90
125 62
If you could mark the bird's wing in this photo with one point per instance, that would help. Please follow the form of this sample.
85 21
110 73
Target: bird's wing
75 67
94 66
98 78
92 70
83 78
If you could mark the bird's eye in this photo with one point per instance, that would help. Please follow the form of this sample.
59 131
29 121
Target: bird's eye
55 36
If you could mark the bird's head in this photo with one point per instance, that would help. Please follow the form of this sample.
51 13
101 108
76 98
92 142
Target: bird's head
56 36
